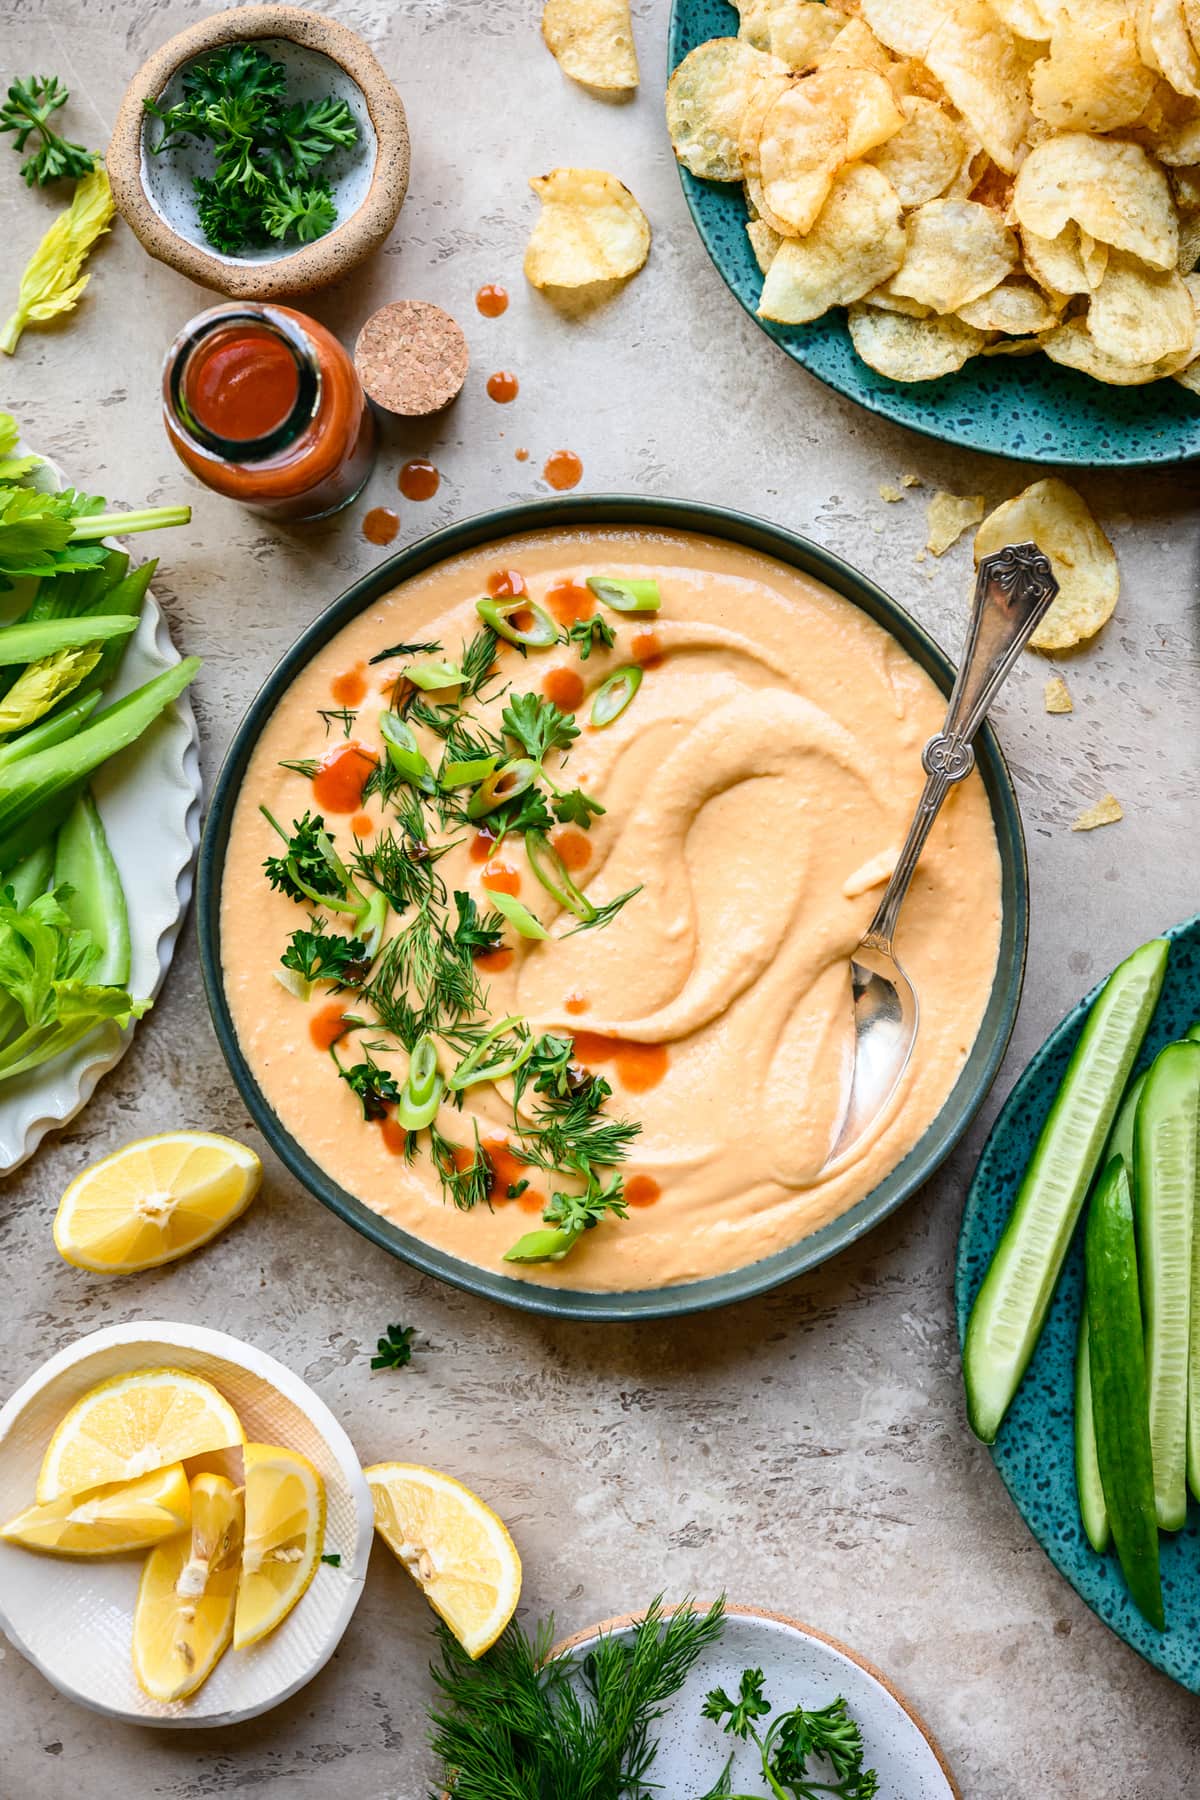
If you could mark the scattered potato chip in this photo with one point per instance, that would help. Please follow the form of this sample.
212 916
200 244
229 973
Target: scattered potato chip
1110 188
910 480
907 349
925 155
948 516
1015 307
1093 78
592 42
1140 315
856 243
1073 345
957 250
1058 696
706 98
591 229
976 60
889 493
763 241
1166 45
799 31
1105 812
1058 521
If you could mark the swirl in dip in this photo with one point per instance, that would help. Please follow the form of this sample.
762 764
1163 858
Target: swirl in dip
757 787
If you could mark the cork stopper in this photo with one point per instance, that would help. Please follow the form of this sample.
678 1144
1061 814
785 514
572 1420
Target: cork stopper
411 357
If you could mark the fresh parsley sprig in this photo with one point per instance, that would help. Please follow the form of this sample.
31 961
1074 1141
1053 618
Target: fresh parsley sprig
788 1745
27 112
394 1350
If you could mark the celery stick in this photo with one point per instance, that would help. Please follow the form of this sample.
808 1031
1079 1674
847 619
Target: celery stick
28 643
49 731
96 903
32 876
37 791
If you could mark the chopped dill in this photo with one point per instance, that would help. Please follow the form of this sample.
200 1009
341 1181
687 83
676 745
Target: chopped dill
405 650
341 715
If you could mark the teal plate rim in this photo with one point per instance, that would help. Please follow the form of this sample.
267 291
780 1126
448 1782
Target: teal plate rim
1034 1452
1025 408
973 1082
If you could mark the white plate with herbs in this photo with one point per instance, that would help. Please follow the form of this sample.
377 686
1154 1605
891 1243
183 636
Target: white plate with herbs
790 1675
148 797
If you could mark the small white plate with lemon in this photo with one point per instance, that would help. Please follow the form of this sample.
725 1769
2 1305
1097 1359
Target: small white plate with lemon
235 1540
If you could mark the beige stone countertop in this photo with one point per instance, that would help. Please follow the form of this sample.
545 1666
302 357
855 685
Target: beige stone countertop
807 1451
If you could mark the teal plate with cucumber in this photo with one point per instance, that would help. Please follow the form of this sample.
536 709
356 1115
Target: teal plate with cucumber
1097 1428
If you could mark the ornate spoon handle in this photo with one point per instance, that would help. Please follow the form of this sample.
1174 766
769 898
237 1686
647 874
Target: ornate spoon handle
1013 590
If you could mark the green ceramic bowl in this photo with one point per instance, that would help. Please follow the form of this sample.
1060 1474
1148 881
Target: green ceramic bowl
972 1084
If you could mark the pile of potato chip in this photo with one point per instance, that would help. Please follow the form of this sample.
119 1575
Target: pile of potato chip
968 177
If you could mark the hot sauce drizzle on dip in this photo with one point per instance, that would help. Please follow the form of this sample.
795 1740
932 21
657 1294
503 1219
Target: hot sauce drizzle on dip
350 688
340 778
646 649
564 687
716 1023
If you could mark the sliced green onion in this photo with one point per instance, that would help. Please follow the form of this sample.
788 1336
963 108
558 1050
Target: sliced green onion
551 871
404 753
473 1069
499 614
614 695
507 782
517 914
293 982
639 596
467 774
548 1245
422 1092
434 675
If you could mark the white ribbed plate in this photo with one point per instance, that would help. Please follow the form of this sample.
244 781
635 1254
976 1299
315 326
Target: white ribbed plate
149 800
73 1618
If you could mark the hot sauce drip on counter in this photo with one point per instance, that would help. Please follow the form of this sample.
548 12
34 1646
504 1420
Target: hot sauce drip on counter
521 455
491 300
380 525
639 1067
418 479
563 470
339 781
502 387
564 687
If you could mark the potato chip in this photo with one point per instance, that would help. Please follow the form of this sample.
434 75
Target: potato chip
925 155
821 121
957 250
1093 78
1178 146
763 241
592 42
890 494
1058 521
1189 243
856 243
906 349
1057 696
1028 19
591 229
1165 44
905 26
1016 307
798 31
1189 375
948 515
1105 812
886 302
1094 258
1073 345
1110 188
706 98
1056 263
1140 315
857 47
754 22
975 58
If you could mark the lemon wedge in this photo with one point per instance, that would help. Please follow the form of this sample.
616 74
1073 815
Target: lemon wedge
183 1619
132 1425
285 1528
453 1545
154 1200
125 1515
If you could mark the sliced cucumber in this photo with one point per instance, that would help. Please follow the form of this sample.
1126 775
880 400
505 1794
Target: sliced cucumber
1120 1138
1117 1363
1092 1509
1010 1308
1164 1200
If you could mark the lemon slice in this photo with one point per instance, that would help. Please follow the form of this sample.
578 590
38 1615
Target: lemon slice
125 1515
133 1424
183 1619
154 1200
452 1545
285 1528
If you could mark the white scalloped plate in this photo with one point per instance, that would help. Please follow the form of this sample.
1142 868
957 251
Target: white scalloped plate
149 800
73 1618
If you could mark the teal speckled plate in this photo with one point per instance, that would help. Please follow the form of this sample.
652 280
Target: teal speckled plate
1025 407
1035 1450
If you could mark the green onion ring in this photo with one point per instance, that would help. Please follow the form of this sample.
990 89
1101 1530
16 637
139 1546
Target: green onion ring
467 774
613 696
433 675
498 616
422 1092
548 1245
517 914
551 871
511 779
473 1069
404 753
639 596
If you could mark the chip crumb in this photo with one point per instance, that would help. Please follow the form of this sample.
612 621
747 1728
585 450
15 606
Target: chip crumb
1105 812
1058 696
920 556
889 493
910 480
948 516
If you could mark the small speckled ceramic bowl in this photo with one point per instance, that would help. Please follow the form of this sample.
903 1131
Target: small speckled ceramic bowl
154 192
73 1616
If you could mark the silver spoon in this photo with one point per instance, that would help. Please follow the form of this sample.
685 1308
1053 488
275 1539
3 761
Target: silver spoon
1013 590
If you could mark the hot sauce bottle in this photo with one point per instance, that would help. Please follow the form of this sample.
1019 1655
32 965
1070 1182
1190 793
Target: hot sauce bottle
264 406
